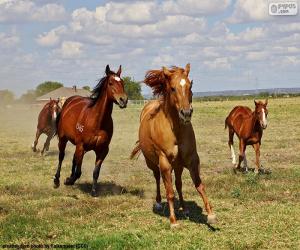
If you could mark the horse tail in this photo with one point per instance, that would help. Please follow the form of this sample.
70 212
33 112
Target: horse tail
56 122
136 151
226 122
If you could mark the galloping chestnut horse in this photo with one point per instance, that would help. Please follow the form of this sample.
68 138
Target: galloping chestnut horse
47 124
87 123
166 135
248 126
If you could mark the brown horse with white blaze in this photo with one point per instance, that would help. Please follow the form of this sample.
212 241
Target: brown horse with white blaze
166 136
47 124
87 123
248 126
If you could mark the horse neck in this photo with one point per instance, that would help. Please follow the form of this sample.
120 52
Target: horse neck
255 124
172 115
102 108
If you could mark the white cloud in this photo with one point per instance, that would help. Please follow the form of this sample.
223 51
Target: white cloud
219 63
250 10
194 7
131 13
8 40
69 50
257 55
15 11
51 38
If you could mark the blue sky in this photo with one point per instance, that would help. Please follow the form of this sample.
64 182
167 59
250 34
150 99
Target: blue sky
230 44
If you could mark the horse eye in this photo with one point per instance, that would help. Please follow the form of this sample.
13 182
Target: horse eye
173 89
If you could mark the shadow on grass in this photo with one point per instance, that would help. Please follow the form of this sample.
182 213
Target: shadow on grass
195 213
109 189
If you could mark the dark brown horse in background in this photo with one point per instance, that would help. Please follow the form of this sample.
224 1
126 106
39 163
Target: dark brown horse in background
248 126
166 136
47 123
87 123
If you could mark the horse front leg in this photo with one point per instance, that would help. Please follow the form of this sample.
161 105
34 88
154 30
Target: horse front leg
77 159
46 144
100 156
242 148
257 154
62 143
37 136
195 175
178 183
166 172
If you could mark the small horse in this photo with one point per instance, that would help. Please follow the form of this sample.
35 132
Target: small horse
47 123
87 123
248 126
166 136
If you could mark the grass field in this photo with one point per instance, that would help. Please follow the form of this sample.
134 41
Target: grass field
254 212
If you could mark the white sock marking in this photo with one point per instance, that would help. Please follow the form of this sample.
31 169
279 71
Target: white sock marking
232 155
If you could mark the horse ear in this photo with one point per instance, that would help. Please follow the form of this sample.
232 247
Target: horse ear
166 71
255 102
266 102
50 99
107 70
187 69
119 71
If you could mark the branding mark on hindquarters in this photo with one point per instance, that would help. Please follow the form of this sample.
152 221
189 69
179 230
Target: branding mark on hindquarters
79 127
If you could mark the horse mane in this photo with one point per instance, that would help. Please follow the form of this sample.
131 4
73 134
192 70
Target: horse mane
157 80
99 88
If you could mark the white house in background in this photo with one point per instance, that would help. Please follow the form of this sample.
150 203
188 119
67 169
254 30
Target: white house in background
63 93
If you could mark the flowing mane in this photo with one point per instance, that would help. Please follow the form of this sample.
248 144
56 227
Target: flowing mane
99 88
157 80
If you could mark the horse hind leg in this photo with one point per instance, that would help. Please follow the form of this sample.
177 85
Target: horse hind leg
37 136
156 173
61 146
230 144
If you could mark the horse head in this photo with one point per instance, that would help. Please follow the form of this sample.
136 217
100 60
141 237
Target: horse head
54 109
179 88
261 113
115 87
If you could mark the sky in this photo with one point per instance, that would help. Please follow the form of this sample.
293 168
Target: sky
230 44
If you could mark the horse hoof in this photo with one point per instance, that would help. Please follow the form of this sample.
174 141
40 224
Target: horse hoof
174 225
56 183
211 219
69 181
94 193
158 206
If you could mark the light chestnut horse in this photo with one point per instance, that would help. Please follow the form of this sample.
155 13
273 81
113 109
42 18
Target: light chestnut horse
166 136
248 126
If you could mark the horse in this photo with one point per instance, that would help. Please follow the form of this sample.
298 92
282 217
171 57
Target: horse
248 126
87 123
47 124
166 136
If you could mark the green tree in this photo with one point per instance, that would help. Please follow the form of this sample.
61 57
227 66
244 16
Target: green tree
87 88
28 97
6 97
133 89
47 87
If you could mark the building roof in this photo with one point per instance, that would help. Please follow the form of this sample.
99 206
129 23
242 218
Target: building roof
65 92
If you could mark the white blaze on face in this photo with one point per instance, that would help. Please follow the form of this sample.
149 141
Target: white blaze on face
182 83
232 155
264 117
117 78
54 115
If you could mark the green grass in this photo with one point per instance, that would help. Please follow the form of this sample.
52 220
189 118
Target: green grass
254 212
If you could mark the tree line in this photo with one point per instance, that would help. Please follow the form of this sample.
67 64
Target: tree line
132 88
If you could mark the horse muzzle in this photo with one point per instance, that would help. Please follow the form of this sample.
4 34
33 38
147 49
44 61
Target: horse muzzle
186 115
122 101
